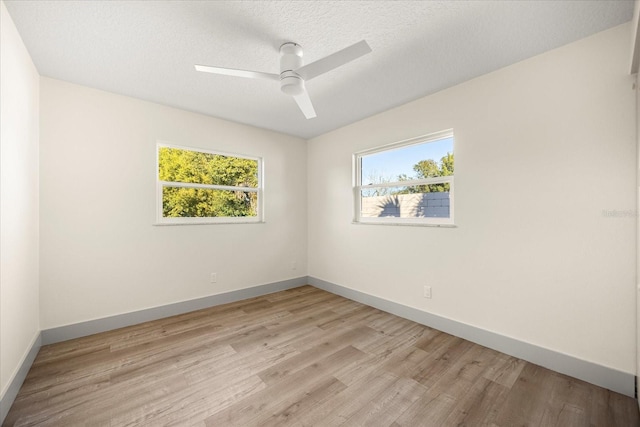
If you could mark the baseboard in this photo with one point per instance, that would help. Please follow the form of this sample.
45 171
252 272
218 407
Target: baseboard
16 382
612 379
77 330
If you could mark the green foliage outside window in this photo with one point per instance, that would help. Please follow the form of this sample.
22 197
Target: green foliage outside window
430 169
194 167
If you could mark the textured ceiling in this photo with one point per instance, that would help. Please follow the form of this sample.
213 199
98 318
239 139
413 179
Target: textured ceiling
147 49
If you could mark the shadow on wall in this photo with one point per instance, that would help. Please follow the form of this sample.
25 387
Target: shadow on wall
433 205
391 206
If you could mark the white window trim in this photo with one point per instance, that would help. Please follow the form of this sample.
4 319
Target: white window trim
161 220
422 221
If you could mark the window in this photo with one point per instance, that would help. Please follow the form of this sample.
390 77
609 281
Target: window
408 182
197 186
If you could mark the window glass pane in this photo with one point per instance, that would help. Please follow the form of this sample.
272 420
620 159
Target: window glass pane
207 203
177 165
421 201
426 160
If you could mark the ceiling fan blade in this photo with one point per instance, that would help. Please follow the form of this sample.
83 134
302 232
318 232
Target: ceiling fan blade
304 102
335 60
237 73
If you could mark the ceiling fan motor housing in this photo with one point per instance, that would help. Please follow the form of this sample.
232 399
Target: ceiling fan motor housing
290 60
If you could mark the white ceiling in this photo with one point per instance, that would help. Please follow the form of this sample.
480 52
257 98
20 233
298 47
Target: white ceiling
147 49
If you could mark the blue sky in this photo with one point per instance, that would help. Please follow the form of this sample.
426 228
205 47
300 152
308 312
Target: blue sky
390 164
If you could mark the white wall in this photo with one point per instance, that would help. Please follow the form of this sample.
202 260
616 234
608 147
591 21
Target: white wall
638 220
558 127
19 309
101 255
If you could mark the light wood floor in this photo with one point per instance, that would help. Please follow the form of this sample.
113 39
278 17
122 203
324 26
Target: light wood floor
301 357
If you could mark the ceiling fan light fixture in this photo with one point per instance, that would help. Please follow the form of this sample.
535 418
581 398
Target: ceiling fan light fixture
291 84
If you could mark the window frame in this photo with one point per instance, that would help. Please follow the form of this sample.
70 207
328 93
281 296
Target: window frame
420 221
259 190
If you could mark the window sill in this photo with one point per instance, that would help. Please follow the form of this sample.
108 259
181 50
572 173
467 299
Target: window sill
405 224
171 224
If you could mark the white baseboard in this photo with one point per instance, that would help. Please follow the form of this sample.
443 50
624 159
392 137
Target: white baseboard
609 378
13 388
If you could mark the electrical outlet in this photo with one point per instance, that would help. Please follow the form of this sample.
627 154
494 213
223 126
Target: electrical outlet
214 277
427 292
294 265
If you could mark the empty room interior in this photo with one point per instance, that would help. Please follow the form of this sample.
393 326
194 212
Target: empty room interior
407 213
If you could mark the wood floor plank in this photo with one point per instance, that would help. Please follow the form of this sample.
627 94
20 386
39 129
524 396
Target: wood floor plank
338 340
620 412
431 410
300 357
286 413
504 370
529 398
441 361
193 405
337 410
464 372
385 408
237 366
291 388
479 405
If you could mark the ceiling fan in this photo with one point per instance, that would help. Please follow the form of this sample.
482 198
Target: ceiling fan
293 74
